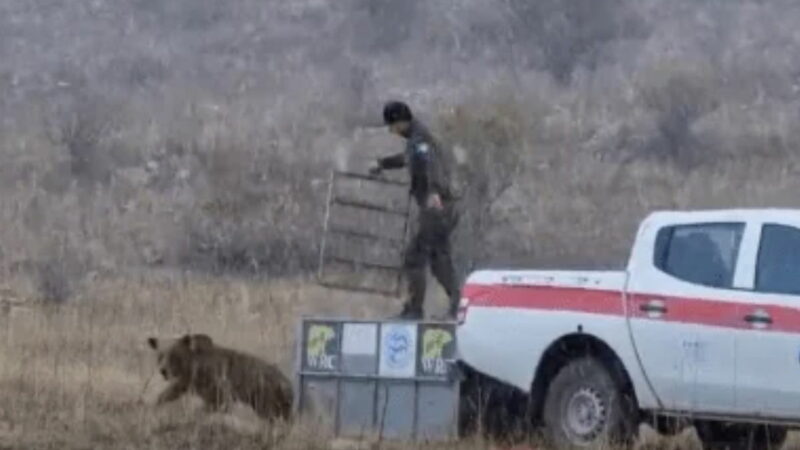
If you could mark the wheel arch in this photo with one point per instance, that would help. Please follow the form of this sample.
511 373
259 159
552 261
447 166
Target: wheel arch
565 349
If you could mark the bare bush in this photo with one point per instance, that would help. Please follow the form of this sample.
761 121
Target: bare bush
59 270
81 128
487 142
573 33
252 214
384 24
679 94
53 283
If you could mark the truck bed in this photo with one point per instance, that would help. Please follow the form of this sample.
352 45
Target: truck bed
513 315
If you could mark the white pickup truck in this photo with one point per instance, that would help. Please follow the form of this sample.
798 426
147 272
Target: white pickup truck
703 325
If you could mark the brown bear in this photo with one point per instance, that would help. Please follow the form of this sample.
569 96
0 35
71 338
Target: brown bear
221 376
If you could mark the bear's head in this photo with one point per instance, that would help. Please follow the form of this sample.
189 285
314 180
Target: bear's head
175 355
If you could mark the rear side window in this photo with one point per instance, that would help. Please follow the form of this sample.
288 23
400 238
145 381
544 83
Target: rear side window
703 254
778 266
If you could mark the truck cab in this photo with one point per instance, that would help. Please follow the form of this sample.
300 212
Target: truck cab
702 324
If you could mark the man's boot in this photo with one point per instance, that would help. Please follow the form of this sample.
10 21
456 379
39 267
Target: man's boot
412 309
408 313
443 271
452 311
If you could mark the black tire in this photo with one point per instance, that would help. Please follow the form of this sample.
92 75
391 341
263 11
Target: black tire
585 407
734 436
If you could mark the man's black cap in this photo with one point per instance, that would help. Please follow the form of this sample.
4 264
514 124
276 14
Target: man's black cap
395 111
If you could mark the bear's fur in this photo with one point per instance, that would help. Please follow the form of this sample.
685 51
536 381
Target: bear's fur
221 376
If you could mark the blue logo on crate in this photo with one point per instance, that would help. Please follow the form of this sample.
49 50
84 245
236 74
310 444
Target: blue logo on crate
397 348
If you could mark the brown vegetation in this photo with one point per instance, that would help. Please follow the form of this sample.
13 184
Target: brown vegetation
209 150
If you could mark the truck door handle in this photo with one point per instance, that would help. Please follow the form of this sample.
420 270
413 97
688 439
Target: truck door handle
758 316
653 306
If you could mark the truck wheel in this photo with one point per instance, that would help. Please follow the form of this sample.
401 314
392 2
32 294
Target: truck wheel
584 407
721 435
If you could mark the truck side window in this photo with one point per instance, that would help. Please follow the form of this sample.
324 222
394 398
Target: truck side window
703 254
778 267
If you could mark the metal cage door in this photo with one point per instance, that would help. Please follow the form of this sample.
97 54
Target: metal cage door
365 231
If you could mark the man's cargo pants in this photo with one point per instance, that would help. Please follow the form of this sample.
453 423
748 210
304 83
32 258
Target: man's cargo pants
431 245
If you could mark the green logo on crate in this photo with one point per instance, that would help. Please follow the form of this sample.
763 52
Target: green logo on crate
321 347
437 346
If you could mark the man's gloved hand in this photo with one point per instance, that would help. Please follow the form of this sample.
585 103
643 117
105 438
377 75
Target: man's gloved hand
435 201
375 169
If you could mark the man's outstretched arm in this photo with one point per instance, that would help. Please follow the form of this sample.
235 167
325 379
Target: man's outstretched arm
390 162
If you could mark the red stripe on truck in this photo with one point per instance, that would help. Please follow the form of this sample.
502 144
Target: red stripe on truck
546 297
728 314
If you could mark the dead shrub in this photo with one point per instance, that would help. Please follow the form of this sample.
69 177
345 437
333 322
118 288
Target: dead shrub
570 34
679 94
489 139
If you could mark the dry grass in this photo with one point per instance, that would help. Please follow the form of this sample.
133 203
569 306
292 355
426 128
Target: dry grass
81 376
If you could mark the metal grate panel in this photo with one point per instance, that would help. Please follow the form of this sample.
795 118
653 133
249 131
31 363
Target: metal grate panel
364 234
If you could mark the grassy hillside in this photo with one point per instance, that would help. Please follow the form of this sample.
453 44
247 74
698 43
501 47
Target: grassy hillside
197 134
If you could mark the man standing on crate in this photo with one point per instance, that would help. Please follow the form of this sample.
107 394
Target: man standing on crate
429 170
